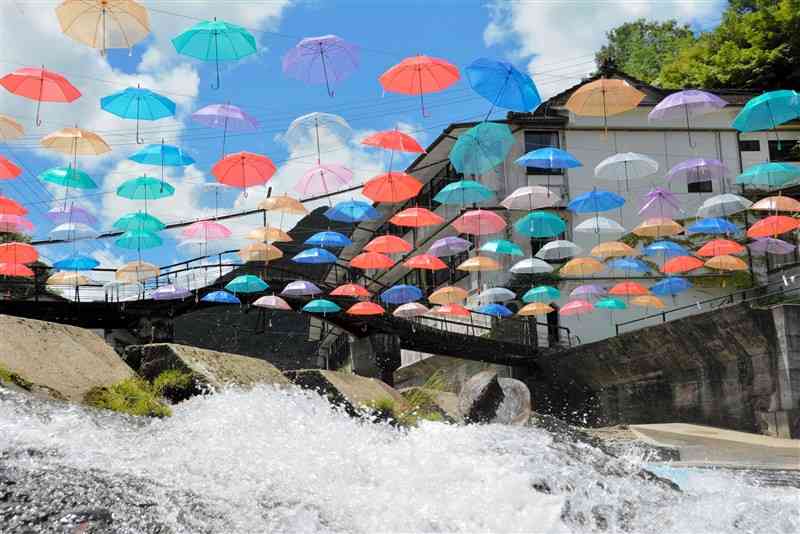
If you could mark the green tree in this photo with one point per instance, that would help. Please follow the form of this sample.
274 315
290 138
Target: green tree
640 48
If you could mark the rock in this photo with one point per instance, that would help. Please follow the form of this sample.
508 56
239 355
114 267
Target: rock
444 401
352 392
485 398
57 361
516 406
210 368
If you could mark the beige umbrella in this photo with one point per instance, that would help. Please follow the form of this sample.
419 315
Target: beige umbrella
535 308
658 227
10 129
260 252
448 295
76 142
479 264
269 234
581 267
283 204
604 98
613 249
104 24
136 271
68 278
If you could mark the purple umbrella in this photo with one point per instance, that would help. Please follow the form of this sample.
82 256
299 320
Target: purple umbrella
449 246
227 117
329 59
660 202
300 288
698 170
771 245
588 291
170 292
685 104
72 214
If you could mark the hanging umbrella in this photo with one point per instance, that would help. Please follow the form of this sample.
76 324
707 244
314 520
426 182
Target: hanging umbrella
207 230
548 158
372 260
559 249
301 288
726 263
246 283
588 291
714 225
352 211
535 308
628 265
10 129
72 232
401 294
778 203
723 205
365 308
388 244
767 111
672 285
627 166
582 267
351 290
75 142
685 104
322 306
139 221
613 249
542 294
452 310
502 246
540 224
283 204
503 85
720 247
410 310
41 85
773 226
213 40
463 192
427 262
419 75
660 202
530 198
495 310
628 289
323 179
136 271
139 104
15 269
576 308
68 279
769 174
449 246
328 239
314 256
327 59
496 294
448 295
63 215
604 98
481 148
698 170
162 155
416 218
76 262
262 252
531 266
600 225
272 302
269 234
648 301
15 224
221 297
18 253
243 170
595 201
393 140
681 264
170 292
658 227
477 264
771 245
611 303
8 170
68 177
226 117
11 207
318 128
391 187
104 24
138 240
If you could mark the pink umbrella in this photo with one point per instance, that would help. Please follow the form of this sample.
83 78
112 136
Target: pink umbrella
479 222
324 179
271 302
15 223
576 307
207 230
660 202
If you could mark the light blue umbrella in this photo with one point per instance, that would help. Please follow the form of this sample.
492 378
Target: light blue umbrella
76 262
540 224
549 158
246 283
314 256
495 310
770 174
463 192
767 111
502 246
328 239
145 188
322 306
140 104
221 297
545 294
672 285
503 85
352 211
628 265
162 155
138 221
595 201
481 148
664 248
138 240
401 294
713 225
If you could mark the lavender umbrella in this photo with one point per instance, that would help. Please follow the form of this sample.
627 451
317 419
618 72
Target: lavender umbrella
771 245
588 291
660 202
72 214
326 59
698 170
449 246
300 288
227 117
685 104
170 292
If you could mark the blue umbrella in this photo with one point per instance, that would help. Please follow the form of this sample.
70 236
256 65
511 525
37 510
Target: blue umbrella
221 297
767 111
352 211
401 294
495 310
503 85
549 158
595 201
628 265
140 104
540 224
321 306
481 148
163 155
463 192
76 262
665 248
712 226
314 256
328 239
670 286
771 174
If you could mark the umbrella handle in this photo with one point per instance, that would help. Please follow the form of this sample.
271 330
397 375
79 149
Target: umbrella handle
331 93
38 109
139 139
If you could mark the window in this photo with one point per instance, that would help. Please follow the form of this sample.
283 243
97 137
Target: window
540 139
749 145
700 187
788 150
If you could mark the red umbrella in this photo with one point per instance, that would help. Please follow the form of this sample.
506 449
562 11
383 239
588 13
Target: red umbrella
628 289
576 307
429 262
720 247
394 140
394 186
455 310
11 207
365 308
416 218
773 225
8 170
388 244
418 75
479 222
15 269
243 170
351 290
18 253
681 264
40 85
372 260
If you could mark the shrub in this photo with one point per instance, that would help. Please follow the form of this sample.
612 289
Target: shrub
132 396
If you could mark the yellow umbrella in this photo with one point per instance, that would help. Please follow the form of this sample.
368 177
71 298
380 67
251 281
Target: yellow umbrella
479 264
778 203
68 278
283 204
104 24
260 252
76 142
658 227
448 295
727 263
648 301
136 271
10 129
269 234
613 249
581 267
604 98
535 308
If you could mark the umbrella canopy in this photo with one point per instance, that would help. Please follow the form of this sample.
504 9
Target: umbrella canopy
226 117
481 148
600 225
463 192
206 230
352 211
10 129
449 246
283 204
170 292
582 267
530 198
502 246
246 283
613 249
479 264
68 279
726 263
658 227
611 303
723 205
576 307
8 170
416 218
778 203
136 271
502 84
543 294
629 265
685 104
393 140
365 308
322 306
660 202
496 294
138 103
70 213
672 285
68 177
317 128
102 24
72 232
41 85
11 207
628 289
323 179
540 224
391 187
767 111
15 224
351 290
626 166
76 262
495 310
604 98
698 170
410 310
301 288
221 297
560 249
272 302
15 269
548 158
771 245
19 253
244 169
388 244
372 260
419 75
260 252
773 226
479 222
448 295
328 239
769 174
531 266
139 221
327 59
452 310
427 262
163 155
138 240
75 142
269 234
720 247
535 309
145 188
401 294
648 301
595 201
681 264
714 225
588 291
314 256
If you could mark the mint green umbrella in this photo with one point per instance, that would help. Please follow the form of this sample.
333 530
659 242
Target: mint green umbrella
540 224
502 246
321 306
138 221
772 174
145 188
68 177
246 283
481 148
611 303
543 294
138 240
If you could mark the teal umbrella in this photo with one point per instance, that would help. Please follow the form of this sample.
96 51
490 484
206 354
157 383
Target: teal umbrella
545 294
140 104
246 283
138 240
767 111
138 221
463 192
502 246
321 306
769 174
68 177
540 224
145 188
215 40
611 303
481 148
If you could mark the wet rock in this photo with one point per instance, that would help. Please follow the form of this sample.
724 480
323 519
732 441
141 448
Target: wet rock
485 398
351 392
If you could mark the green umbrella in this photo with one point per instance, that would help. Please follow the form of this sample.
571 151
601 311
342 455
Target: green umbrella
246 283
611 303
139 221
68 177
544 294
145 188
502 246
138 240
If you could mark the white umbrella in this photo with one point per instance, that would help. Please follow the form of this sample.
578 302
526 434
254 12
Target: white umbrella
531 266
496 294
411 309
723 205
318 129
530 198
559 249
626 166
72 232
600 225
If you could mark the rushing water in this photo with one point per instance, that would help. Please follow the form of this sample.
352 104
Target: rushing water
285 461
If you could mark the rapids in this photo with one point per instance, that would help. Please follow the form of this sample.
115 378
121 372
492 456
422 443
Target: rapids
286 461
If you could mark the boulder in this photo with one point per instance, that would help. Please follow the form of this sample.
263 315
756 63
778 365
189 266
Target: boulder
56 361
485 398
444 402
352 392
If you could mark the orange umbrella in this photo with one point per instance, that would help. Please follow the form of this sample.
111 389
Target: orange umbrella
778 203
392 187
479 222
719 247
136 271
11 207
448 295
372 260
243 169
628 289
648 301
613 249
727 263
18 253
365 308
269 234
394 140
535 308
428 262
15 269
681 264
581 267
773 225
454 310
351 290
416 218
388 244
283 204
658 227
418 75
479 264
604 98
260 252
